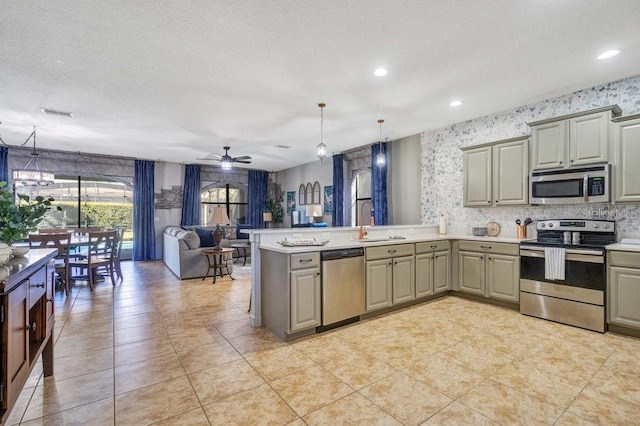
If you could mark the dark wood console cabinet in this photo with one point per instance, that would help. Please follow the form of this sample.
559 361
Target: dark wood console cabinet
26 320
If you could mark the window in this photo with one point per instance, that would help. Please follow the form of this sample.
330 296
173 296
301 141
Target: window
363 205
233 198
88 202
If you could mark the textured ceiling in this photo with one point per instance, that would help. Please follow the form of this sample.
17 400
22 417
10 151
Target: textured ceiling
175 80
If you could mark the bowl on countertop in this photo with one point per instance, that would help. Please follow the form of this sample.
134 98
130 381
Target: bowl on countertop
479 231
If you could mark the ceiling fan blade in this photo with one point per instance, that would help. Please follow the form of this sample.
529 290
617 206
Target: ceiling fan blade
211 157
242 157
207 159
242 161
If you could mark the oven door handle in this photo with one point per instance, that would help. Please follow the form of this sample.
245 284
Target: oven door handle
589 258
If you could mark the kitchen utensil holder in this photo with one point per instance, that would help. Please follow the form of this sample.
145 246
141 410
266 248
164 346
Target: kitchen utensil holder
522 231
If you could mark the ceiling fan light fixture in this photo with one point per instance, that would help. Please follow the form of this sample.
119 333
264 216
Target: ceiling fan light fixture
608 54
321 147
226 164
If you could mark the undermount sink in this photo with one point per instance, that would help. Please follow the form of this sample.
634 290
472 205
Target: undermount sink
377 240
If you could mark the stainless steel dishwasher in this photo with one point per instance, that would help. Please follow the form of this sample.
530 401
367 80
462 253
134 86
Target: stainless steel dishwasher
342 285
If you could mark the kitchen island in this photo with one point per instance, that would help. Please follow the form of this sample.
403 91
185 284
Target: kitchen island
404 265
27 316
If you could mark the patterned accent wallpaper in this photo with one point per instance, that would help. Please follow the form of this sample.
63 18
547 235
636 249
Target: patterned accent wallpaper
442 174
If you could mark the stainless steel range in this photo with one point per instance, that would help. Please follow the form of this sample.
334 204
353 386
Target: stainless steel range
563 272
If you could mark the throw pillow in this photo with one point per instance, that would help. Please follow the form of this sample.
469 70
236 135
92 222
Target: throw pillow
206 237
240 235
190 238
229 233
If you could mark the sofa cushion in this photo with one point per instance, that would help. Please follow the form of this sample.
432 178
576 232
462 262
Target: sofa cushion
190 238
240 235
206 237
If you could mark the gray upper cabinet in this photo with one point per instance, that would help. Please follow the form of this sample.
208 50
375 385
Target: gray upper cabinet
589 139
626 135
511 173
572 140
497 173
477 177
548 145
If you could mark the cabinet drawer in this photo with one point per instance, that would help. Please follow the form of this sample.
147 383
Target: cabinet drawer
386 252
305 260
431 246
37 285
624 258
490 247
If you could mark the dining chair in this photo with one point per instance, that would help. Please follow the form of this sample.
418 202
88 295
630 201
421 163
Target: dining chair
53 231
99 256
60 242
118 251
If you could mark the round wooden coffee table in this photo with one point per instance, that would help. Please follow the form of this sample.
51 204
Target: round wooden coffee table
217 260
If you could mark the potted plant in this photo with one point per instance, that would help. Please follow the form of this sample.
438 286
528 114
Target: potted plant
18 219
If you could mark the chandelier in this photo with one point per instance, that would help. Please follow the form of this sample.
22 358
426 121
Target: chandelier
30 174
380 158
322 148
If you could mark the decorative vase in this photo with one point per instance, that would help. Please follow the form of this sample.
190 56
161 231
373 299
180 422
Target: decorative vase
18 251
5 253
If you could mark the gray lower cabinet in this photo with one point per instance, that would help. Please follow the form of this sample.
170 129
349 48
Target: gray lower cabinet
489 269
433 268
623 289
379 283
291 292
304 309
390 276
627 166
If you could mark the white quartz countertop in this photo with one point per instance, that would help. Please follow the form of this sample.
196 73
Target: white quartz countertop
353 243
624 247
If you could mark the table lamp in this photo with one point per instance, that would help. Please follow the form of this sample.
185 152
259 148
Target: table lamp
266 218
218 216
314 211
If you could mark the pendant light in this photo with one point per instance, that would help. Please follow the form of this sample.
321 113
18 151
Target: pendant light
31 175
380 158
322 148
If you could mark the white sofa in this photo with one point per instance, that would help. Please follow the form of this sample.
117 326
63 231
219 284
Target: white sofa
181 253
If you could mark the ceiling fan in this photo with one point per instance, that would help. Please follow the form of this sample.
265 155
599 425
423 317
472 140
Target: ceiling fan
226 160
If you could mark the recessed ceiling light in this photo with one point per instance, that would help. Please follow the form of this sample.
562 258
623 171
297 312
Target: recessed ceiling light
455 103
609 54
380 72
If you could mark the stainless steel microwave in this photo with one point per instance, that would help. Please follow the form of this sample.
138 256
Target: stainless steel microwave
571 186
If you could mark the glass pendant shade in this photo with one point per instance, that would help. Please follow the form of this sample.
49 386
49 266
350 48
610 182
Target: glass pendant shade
381 159
321 148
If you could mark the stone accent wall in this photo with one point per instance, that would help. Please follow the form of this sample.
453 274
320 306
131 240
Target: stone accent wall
442 172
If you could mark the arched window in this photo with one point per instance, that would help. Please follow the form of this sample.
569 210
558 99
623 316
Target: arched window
361 191
233 197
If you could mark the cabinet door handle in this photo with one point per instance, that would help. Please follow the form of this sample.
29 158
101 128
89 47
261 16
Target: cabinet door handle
488 258
32 327
305 260
38 285
481 257
572 160
559 162
318 273
489 201
50 300
434 247
486 247
391 251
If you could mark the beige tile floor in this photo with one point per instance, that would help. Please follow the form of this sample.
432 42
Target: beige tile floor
155 350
